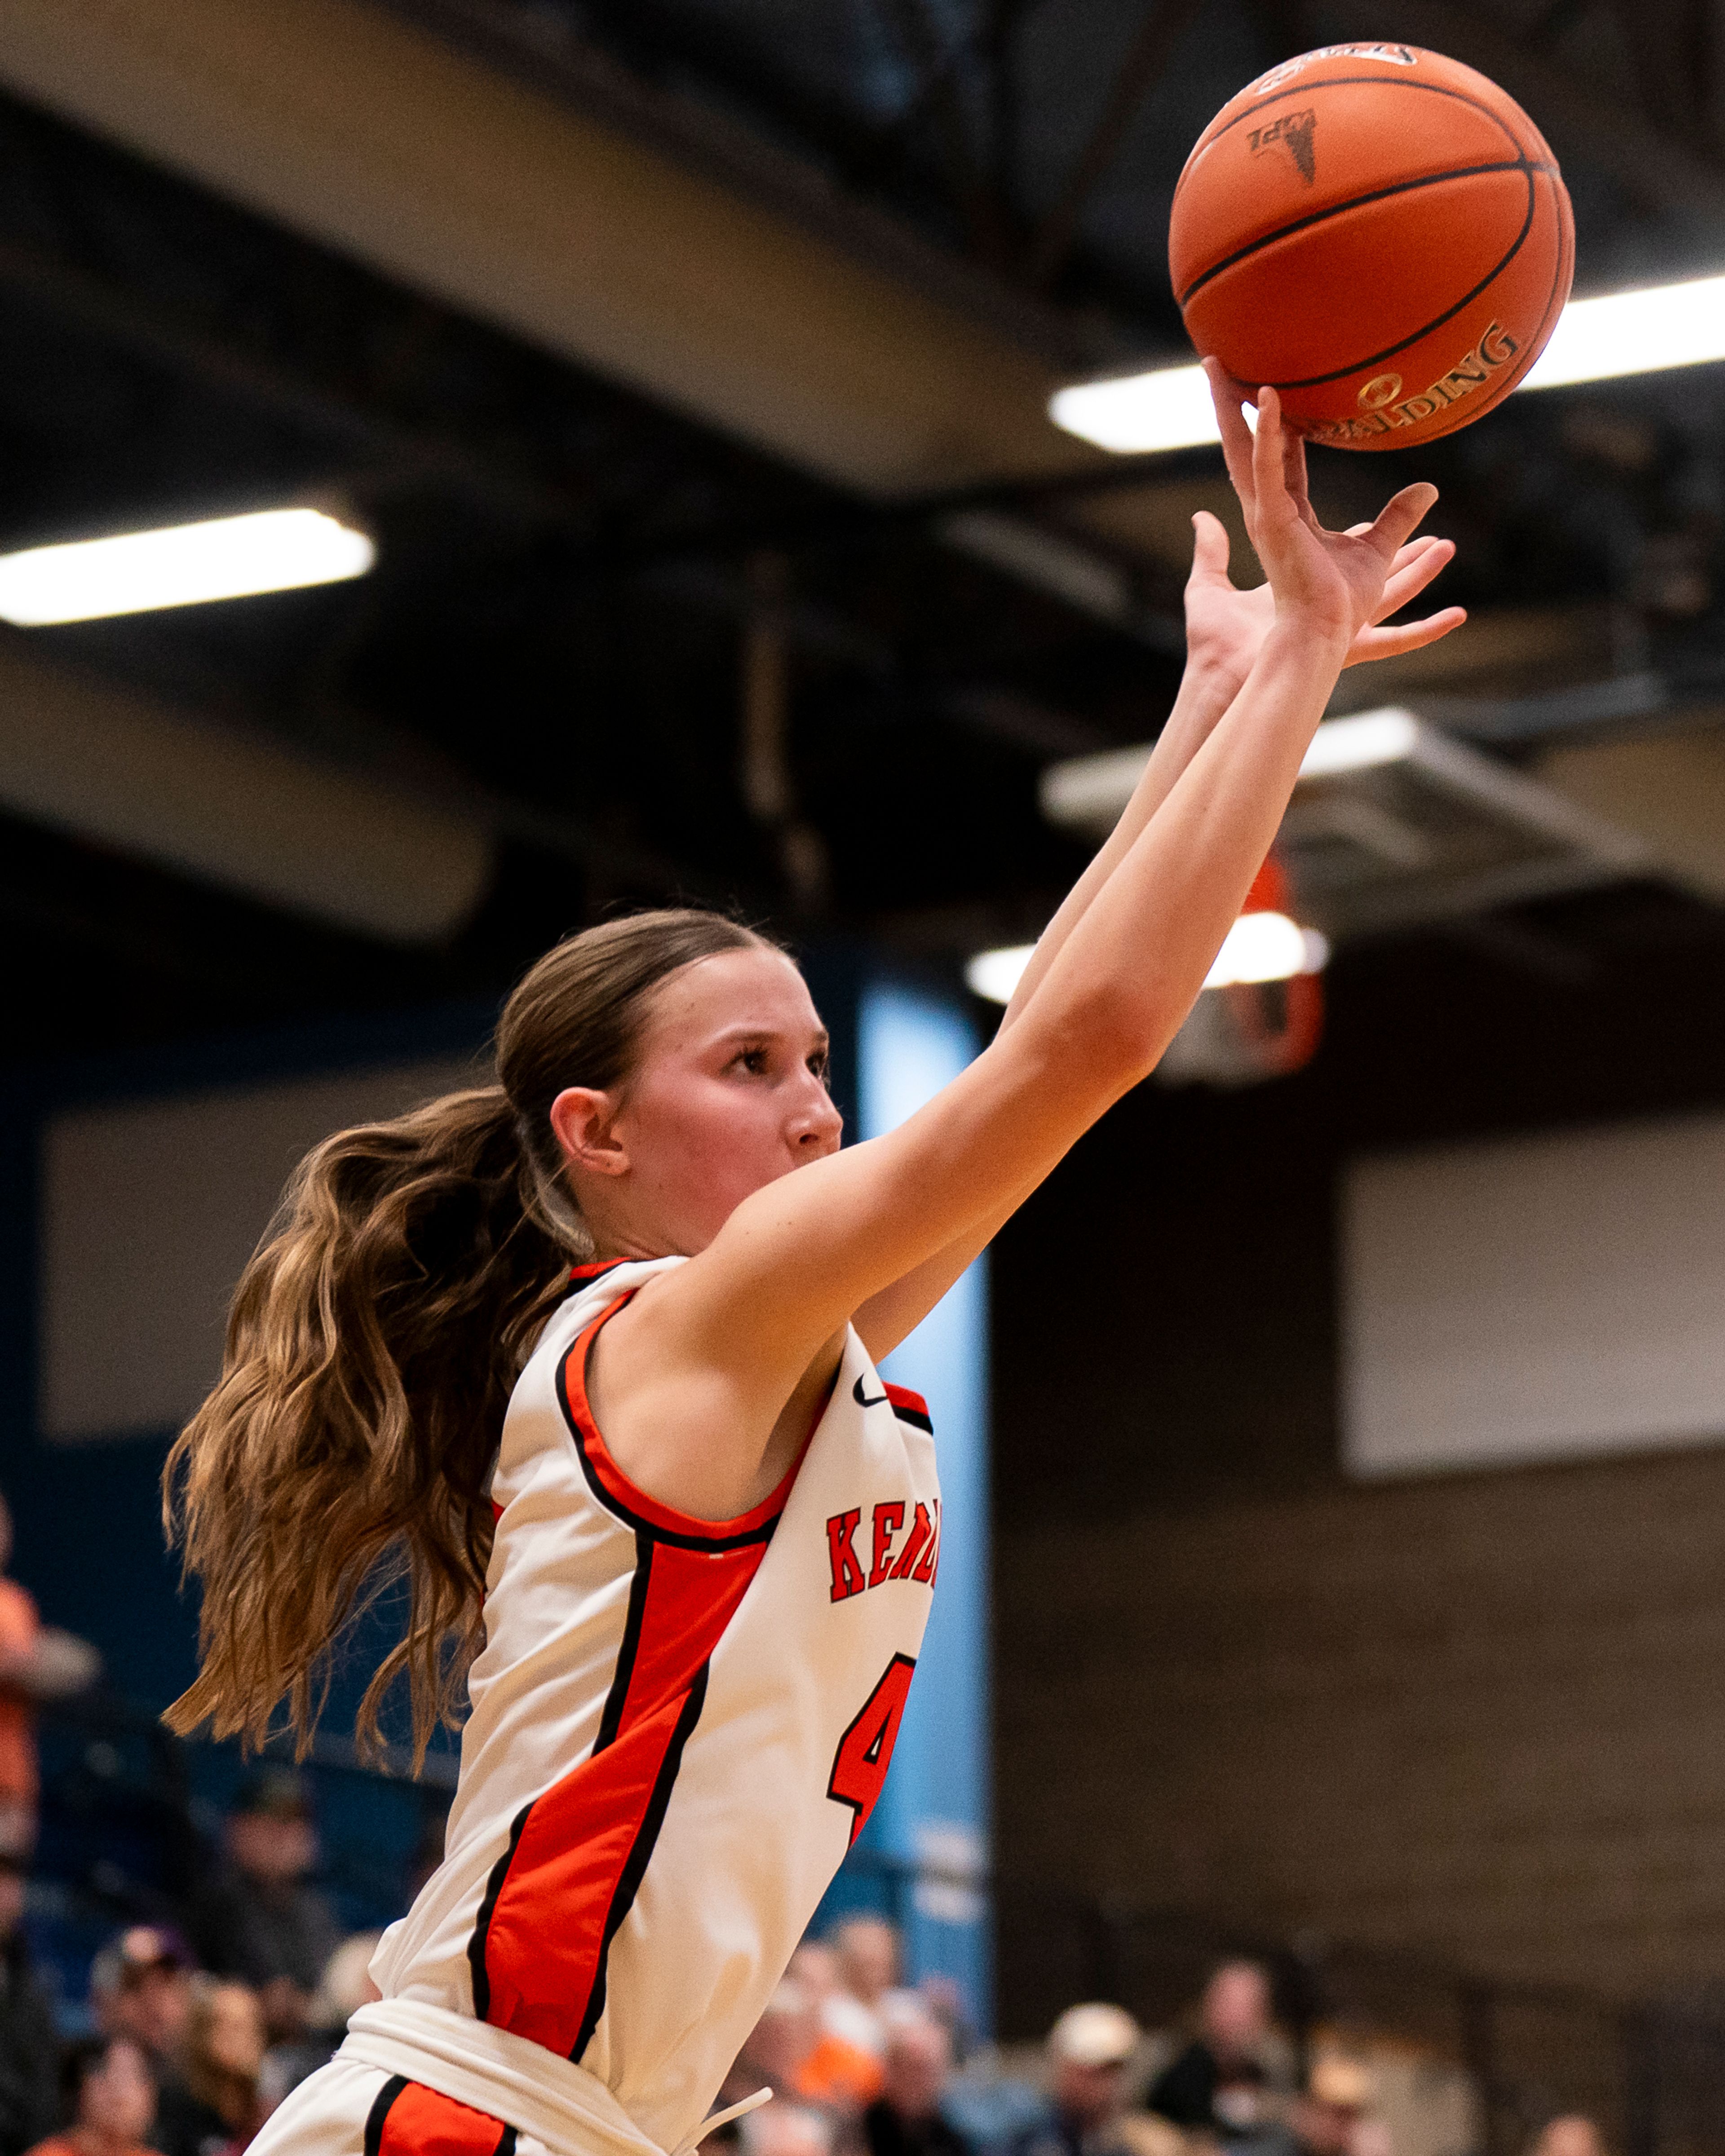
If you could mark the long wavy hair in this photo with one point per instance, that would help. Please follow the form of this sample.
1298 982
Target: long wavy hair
372 1344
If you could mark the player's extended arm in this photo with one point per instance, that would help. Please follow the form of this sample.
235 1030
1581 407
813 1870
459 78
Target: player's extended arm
734 1330
1226 628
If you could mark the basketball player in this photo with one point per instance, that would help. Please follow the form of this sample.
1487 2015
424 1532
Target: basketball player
707 1539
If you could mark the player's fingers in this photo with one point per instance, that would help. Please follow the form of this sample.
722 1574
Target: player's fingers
1209 546
1413 570
1269 477
1294 463
1400 516
1236 435
1405 636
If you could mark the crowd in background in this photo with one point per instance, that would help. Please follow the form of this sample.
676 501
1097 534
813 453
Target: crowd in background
191 2034
195 2035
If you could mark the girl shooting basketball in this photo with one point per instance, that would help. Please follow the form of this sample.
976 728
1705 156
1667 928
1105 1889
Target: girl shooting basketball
684 1535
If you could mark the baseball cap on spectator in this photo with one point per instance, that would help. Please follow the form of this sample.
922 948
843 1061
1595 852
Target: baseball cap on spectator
1094 2034
272 1792
138 1950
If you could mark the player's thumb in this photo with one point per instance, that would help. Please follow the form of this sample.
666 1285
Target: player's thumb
1209 544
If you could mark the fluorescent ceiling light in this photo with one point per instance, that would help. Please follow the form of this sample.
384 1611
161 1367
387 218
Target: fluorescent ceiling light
226 557
1166 408
995 974
1633 333
1266 947
1260 947
1356 744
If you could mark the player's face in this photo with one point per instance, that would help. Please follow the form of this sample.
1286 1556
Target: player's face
729 1094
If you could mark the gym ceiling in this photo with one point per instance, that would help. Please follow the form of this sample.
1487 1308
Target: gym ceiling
688 359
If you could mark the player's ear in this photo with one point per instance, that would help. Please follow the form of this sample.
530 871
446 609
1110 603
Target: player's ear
582 1117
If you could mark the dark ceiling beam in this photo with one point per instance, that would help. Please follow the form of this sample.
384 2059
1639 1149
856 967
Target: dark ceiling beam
121 317
587 79
1655 169
936 92
1146 61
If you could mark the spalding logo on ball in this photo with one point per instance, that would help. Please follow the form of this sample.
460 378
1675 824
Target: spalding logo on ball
1378 231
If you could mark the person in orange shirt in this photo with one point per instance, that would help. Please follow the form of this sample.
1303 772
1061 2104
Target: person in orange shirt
110 2097
37 1661
795 2057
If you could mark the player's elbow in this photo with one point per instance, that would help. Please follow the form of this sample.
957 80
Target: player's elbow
1105 1039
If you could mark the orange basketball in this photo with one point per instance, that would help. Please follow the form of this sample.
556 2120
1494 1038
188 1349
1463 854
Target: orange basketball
1378 231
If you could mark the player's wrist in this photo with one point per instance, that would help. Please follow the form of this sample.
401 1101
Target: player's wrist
1308 630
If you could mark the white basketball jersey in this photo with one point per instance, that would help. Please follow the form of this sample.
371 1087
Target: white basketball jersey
678 1728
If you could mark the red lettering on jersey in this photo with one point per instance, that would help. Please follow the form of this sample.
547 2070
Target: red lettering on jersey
847 1573
922 1529
931 1556
888 1520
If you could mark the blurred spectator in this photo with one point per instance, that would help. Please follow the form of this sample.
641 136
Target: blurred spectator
108 2096
905 2119
1088 2051
865 1951
1572 2135
1330 2118
216 2109
786 2129
260 1919
790 2052
140 1987
1219 2083
29 2051
37 1661
345 1986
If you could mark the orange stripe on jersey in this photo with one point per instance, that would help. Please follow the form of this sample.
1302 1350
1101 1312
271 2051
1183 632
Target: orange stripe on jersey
612 1488
578 1853
408 2119
908 1406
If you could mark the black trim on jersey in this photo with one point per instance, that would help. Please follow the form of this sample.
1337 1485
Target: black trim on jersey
505 2143
381 2104
640 1854
915 1416
611 1721
487 1910
707 1545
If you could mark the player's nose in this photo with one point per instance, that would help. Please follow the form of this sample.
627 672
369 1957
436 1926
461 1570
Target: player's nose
817 1126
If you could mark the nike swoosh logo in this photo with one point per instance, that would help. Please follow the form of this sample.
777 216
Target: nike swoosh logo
856 1394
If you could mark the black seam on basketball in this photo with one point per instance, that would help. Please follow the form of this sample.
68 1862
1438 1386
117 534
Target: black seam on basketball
1341 82
1523 365
1389 351
1340 209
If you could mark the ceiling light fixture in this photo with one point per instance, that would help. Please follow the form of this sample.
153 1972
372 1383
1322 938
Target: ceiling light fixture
1597 339
994 975
1633 333
225 557
1266 947
1260 947
1165 408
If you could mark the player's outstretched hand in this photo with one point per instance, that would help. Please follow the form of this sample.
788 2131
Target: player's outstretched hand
1342 584
1224 626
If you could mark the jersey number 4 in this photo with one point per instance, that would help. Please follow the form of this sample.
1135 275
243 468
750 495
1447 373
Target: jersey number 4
864 1751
